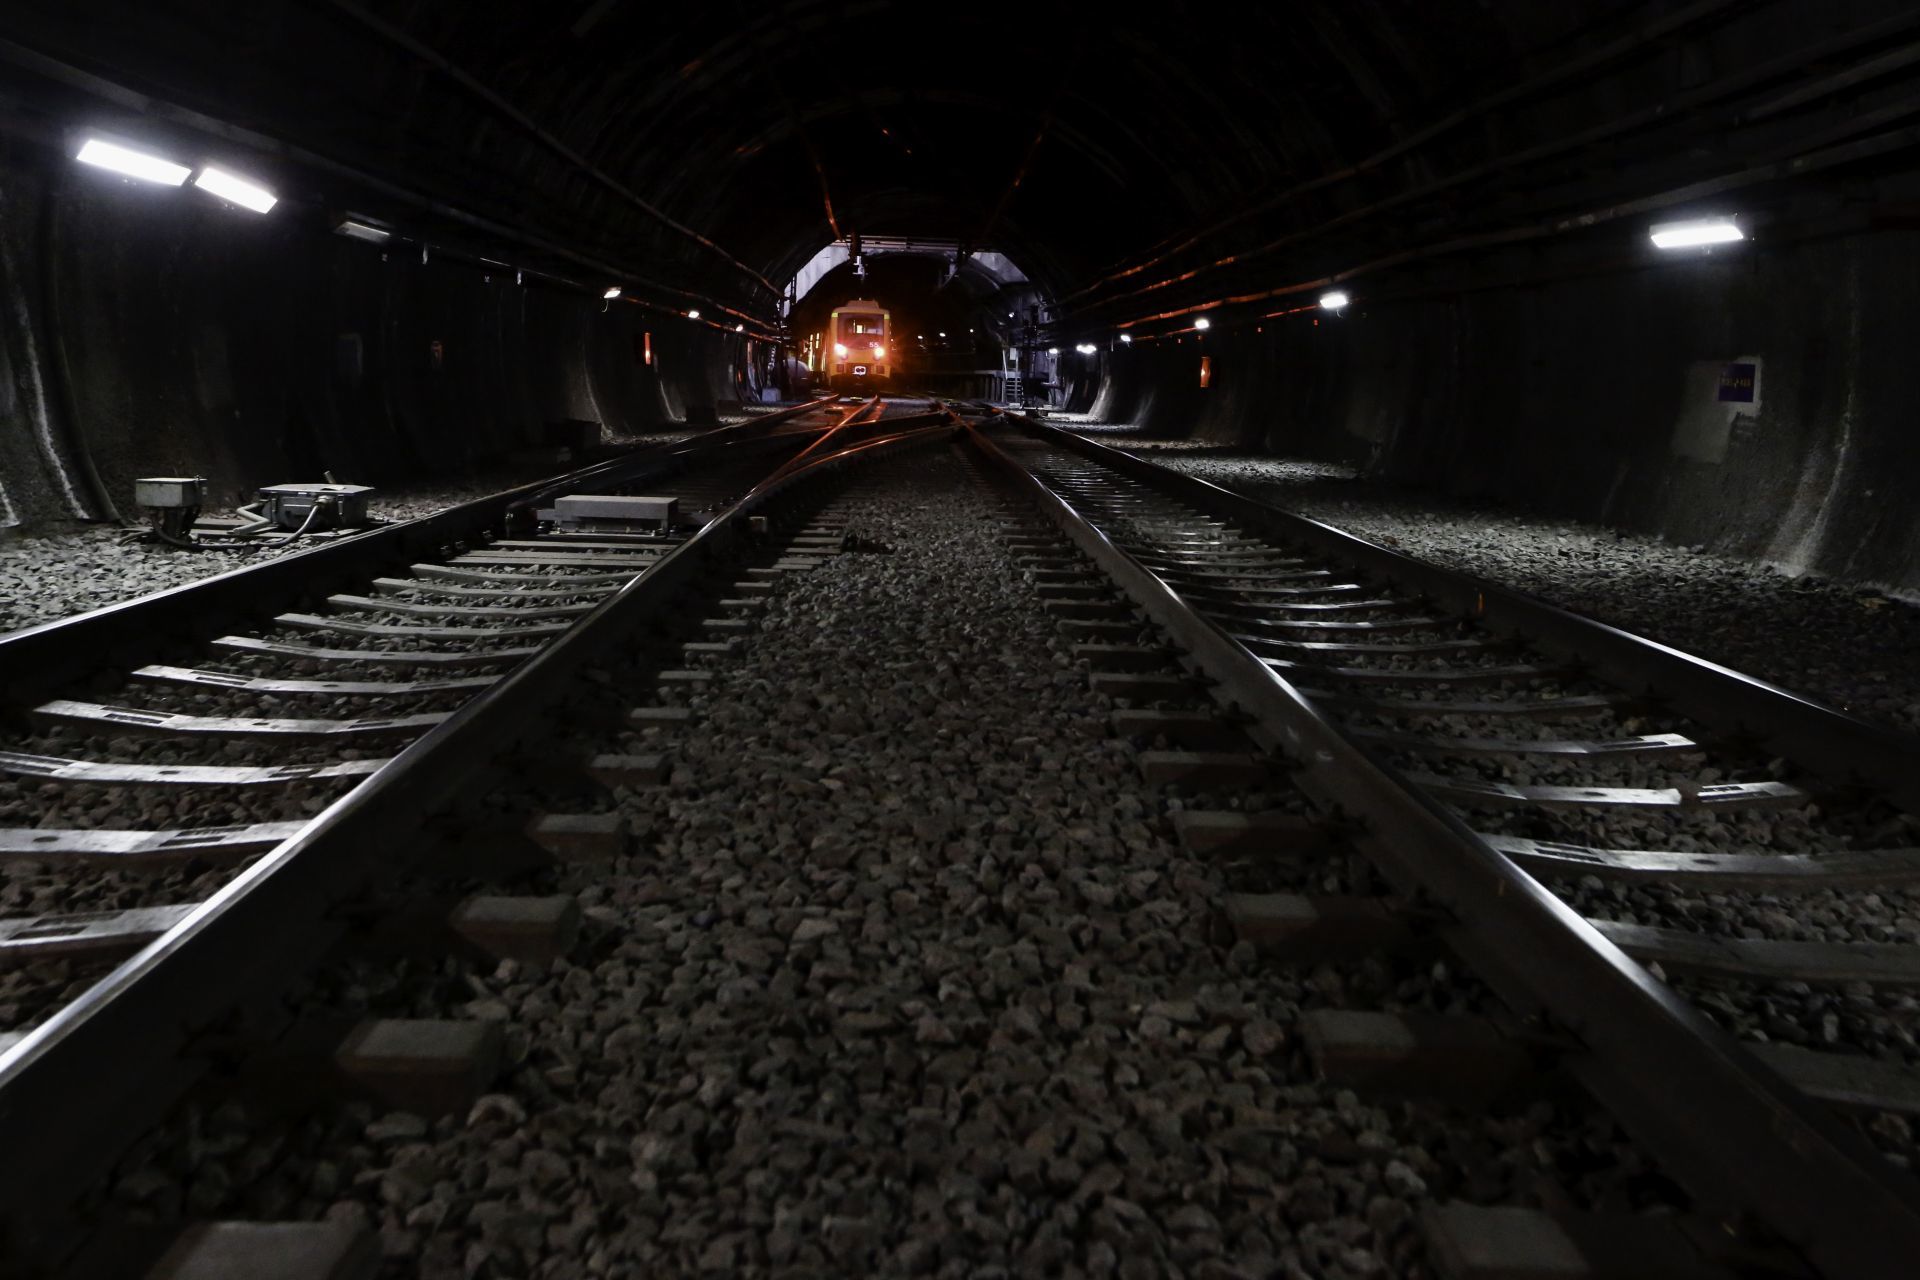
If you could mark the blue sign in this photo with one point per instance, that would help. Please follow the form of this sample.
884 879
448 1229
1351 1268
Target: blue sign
1738 382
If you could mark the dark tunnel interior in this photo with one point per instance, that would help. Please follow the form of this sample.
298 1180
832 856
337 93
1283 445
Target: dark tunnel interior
1330 690
1099 197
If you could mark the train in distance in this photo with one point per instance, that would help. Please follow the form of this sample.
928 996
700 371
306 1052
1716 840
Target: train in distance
856 351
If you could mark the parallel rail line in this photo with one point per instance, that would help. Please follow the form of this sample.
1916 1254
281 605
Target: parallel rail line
1338 655
1278 616
78 1087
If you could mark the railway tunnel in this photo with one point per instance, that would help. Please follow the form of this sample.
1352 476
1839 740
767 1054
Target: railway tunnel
1336 697
1481 181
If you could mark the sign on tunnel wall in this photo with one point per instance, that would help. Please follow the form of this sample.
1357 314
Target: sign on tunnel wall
1740 383
1720 402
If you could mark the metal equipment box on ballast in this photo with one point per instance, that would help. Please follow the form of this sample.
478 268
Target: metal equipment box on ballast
288 505
609 511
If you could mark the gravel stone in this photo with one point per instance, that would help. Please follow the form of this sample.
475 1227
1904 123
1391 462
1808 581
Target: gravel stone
905 975
1849 644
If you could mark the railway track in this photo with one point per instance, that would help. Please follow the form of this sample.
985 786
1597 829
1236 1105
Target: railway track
1235 644
194 781
1516 774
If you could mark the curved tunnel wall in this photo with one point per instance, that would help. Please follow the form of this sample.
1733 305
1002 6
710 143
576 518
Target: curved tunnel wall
1597 398
151 331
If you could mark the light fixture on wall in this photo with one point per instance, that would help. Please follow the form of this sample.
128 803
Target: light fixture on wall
693 314
1334 301
235 189
1696 234
611 292
130 162
1202 323
1086 348
1127 338
357 228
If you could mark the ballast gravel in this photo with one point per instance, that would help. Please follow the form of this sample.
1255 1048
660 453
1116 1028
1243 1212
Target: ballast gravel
1854 1018
904 977
1847 644
57 572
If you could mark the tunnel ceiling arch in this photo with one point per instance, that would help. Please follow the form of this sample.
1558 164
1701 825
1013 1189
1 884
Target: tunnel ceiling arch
993 270
721 144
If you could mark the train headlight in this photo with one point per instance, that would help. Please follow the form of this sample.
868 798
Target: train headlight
840 349
878 351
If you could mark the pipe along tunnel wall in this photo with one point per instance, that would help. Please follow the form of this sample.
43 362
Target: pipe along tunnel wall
150 331
1597 398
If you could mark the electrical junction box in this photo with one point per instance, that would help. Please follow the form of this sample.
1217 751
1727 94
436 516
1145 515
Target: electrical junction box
289 505
172 503
168 491
612 511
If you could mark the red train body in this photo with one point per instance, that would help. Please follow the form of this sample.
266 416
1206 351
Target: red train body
856 350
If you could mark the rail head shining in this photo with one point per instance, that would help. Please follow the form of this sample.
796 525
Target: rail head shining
1824 740
36 660
1747 1144
77 1089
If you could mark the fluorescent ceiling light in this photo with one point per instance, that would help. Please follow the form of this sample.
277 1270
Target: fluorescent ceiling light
611 292
1086 348
354 229
1202 323
134 164
235 190
1691 235
1335 300
694 314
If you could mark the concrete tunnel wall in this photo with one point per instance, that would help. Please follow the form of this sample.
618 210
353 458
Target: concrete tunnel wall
152 331
1596 398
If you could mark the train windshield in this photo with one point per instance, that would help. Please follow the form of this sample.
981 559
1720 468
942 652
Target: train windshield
861 324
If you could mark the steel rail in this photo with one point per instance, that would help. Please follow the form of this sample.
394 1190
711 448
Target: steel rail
77 1089
36 659
1819 738
876 407
1754 1149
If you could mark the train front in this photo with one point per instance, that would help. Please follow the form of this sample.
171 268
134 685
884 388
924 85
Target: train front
859 351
